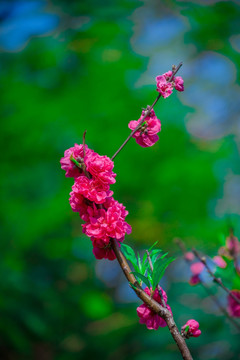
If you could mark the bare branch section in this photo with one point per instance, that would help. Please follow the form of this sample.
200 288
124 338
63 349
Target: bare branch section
151 303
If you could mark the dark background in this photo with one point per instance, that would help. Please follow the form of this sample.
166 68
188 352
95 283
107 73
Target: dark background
67 66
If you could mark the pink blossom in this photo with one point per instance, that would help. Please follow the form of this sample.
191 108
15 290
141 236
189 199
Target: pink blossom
77 153
104 253
147 134
189 256
78 203
108 223
91 196
103 250
197 268
165 88
233 245
149 317
194 280
233 306
193 329
220 262
92 189
100 167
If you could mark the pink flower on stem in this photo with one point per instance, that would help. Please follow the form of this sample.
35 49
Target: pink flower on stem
92 189
191 328
165 88
149 317
196 270
194 280
220 262
77 153
100 167
146 135
233 245
233 306
189 256
103 250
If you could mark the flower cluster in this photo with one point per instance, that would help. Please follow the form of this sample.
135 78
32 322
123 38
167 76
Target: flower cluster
191 328
92 198
146 135
165 87
149 317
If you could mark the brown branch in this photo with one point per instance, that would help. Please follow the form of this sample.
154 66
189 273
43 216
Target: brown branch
151 303
147 112
215 279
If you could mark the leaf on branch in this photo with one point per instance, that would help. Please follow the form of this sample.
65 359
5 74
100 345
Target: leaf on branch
130 255
139 263
159 268
144 263
143 278
133 286
154 255
153 246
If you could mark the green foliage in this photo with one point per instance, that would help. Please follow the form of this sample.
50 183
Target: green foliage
159 268
142 267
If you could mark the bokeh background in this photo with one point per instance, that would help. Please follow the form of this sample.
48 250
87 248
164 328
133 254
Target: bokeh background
67 66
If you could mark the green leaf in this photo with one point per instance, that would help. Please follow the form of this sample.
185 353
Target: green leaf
130 255
186 329
159 269
150 279
75 161
164 255
139 263
154 255
143 278
153 246
133 286
144 263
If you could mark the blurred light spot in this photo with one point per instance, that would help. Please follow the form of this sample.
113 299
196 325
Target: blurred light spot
216 68
111 55
230 202
115 321
77 272
235 42
151 32
21 21
82 45
95 304
215 350
108 271
125 294
73 343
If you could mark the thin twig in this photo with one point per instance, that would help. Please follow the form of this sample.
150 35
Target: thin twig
147 112
158 287
216 301
84 139
151 303
215 279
